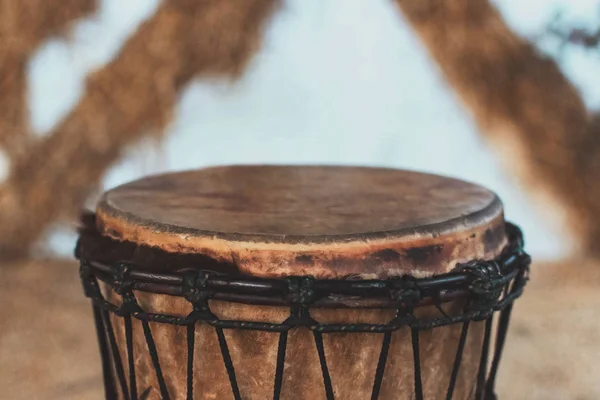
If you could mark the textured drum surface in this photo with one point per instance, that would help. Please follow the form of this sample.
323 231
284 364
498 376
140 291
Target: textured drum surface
326 222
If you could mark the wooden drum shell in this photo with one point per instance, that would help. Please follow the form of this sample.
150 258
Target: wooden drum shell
351 357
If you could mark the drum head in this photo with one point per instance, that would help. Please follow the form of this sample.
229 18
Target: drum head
324 221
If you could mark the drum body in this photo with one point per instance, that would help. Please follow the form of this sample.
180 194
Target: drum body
375 323
352 358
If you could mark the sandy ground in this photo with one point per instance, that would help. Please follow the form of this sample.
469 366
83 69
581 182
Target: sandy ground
48 346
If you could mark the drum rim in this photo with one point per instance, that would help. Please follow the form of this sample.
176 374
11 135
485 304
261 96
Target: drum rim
328 293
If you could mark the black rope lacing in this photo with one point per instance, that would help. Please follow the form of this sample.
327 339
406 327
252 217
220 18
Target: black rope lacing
486 287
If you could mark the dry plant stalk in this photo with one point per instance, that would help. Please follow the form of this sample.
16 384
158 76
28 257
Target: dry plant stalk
521 100
124 101
24 24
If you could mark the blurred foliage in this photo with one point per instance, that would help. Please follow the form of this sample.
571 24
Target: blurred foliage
569 31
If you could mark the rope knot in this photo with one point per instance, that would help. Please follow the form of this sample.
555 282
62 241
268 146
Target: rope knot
406 293
122 284
485 283
195 288
88 280
301 290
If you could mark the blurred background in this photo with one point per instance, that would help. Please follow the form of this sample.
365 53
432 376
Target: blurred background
97 93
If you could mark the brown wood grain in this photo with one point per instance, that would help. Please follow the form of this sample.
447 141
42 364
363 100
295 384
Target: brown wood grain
321 221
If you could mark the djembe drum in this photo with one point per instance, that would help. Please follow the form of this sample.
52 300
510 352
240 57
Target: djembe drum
297 282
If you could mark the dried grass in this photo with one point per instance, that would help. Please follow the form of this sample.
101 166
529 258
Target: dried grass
127 99
521 101
24 24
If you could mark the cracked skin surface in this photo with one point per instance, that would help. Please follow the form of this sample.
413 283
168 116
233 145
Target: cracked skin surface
324 221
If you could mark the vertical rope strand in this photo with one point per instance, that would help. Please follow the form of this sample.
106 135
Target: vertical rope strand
191 331
228 363
500 338
385 346
116 355
485 348
417 364
280 365
109 385
130 357
457 360
154 356
324 370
